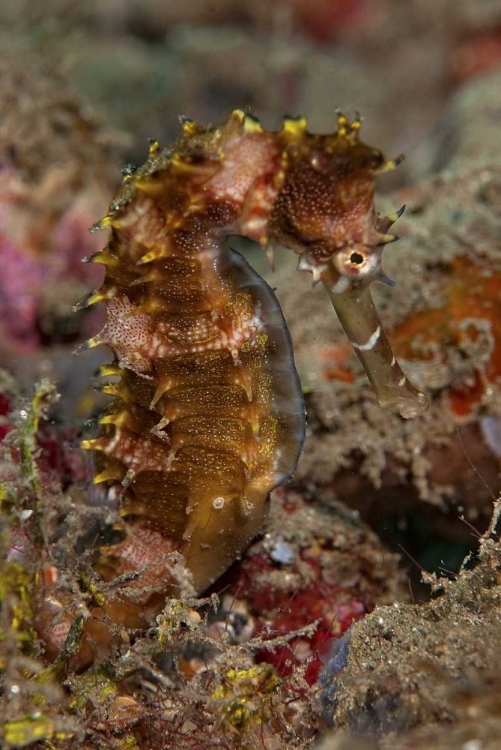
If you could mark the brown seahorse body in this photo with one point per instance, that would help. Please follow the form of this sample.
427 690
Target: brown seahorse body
207 415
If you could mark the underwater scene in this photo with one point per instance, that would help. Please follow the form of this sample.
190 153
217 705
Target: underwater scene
250 375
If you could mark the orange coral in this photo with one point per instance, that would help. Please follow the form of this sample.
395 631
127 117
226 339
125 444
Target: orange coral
471 292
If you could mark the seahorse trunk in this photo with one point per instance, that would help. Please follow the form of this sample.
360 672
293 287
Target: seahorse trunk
208 414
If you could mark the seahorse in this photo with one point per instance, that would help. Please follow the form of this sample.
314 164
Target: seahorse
207 415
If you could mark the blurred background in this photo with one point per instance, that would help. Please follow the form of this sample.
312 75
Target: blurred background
141 63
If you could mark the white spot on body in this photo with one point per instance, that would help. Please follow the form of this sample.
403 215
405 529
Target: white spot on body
223 334
472 745
143 547
123 331
245 159
130 335
303 264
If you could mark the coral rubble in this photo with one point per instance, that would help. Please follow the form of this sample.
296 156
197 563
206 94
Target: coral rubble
217 668
426 675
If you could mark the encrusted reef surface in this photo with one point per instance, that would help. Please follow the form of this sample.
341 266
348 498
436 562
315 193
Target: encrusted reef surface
423 676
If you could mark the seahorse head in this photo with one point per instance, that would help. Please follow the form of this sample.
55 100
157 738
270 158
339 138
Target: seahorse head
325 207
324 210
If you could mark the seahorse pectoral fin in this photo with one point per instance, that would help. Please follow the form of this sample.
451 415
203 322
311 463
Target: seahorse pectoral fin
358 316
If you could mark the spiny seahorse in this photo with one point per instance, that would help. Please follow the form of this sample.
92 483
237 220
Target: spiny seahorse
207 415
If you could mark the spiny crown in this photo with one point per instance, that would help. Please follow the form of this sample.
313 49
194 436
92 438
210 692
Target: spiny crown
315 193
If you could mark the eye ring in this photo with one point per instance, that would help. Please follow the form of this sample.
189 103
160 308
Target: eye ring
356 262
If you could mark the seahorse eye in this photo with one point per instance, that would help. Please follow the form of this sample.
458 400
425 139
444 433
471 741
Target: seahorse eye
357 259
355 262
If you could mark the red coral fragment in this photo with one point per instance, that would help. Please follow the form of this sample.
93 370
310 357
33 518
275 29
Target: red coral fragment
311 566
5 410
